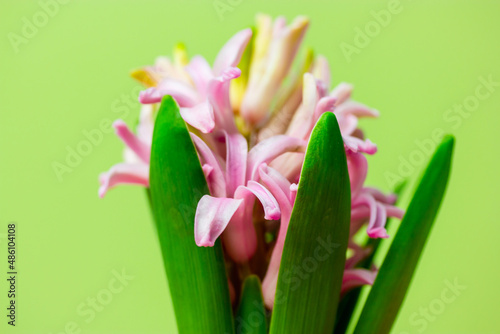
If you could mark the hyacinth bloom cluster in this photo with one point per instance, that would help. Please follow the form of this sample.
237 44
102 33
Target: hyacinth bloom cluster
250 116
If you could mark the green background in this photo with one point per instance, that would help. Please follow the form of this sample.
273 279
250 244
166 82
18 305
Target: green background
72 74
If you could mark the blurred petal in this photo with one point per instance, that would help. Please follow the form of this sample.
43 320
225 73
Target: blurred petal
141 149
357 277
321 70
342 92
357 109
200 72
201 116
231 52
356 145
184 95
124 174
211 218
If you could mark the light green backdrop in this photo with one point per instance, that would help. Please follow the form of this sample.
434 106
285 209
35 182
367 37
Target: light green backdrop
71 74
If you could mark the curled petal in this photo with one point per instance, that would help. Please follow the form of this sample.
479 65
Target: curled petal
357 109
325 104
141 149
231 52
357 277
355 145
277 184
201 116
200 72
393 211
347 124
183 94
342 92
269 203
236 161
216 181
381 197
376 229
218 96
269 149
124 174
211 218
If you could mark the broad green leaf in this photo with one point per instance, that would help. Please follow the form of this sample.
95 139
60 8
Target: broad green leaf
393 279
349 302
196 275
313 259
251 316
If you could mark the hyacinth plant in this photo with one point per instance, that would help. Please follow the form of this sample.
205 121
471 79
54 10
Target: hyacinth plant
256 174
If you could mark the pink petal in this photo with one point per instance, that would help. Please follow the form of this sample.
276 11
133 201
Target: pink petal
200 72
325 104
183 94
347 124
381 197
303 122
376 229
240 238
231 52
236 161
216 181
141 149
394 212
342 92
146 124
355 145
356 109
284 192
277 184
211 218
124 174
201 116
269 149
207 170
357 277
269 203
218 95
357 166
321 70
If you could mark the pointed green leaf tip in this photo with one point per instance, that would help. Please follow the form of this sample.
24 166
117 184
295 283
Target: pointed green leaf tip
251 316
313 259
196 275
393 279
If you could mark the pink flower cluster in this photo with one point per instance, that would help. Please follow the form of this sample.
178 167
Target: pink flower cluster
250 130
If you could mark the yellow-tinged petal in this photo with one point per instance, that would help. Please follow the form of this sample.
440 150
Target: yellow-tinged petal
181 58
145 77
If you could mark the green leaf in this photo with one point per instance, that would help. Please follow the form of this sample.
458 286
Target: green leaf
196 275
349 302
393 279
313 259
251 316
